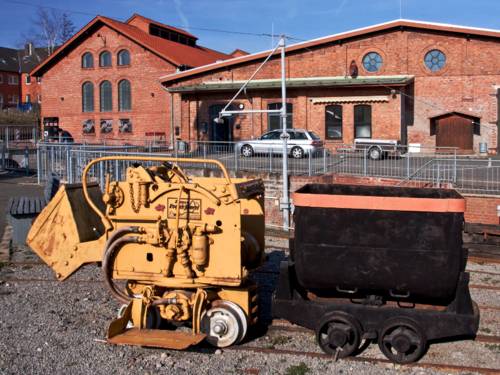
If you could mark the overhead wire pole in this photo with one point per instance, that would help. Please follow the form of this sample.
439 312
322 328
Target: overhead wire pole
285 201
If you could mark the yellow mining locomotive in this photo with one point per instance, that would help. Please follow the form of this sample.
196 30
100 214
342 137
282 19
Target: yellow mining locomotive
177 250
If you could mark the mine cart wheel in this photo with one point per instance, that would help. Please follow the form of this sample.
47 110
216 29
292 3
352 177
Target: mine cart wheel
153 317
224 323
402 341
339 334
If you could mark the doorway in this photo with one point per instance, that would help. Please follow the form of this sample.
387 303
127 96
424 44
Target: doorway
455 130
222 131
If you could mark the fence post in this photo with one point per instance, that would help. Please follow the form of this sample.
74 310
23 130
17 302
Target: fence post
235 158
204 154
69 157
365 162
101 173
438 175
270 161
324 160
454 166
309 163
3 154
117 170
7 137
38 164
408 156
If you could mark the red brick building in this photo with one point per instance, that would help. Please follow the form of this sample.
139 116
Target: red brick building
103 82
16 85
425 83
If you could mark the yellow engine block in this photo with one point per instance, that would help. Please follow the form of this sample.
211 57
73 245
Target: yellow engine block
175 249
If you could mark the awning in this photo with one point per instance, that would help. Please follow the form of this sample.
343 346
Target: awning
259 84
351 99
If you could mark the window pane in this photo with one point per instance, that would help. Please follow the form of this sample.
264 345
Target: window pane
274 119
362 121
87 60
123 57
105 59
124 97
333 122
106 97
372 62
87 97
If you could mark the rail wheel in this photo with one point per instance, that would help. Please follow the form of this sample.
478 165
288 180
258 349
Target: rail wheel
402 341
339 334
224 323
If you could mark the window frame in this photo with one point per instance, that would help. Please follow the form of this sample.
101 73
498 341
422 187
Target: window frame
102 107
439 68
107 53
88 107
118 56
13 80
357 124
28 79
84 59
327 125
272 116
120 94
377 68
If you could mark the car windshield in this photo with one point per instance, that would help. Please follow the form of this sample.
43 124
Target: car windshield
314 136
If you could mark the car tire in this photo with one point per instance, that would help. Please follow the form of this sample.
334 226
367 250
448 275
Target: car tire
297 153
247 151
375 153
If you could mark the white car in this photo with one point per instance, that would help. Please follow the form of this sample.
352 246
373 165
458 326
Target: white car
300 143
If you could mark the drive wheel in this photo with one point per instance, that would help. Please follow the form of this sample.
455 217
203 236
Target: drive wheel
339 334
297 153
247 151
402 341
224 324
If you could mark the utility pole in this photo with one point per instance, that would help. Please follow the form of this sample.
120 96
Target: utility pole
285 202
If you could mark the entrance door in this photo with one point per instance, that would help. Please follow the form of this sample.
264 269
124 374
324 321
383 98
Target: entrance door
454 131
222 131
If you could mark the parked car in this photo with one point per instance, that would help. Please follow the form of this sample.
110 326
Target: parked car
301 142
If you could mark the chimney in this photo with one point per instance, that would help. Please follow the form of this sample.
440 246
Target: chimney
28 49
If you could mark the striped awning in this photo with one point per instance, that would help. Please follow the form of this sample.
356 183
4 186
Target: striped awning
351 99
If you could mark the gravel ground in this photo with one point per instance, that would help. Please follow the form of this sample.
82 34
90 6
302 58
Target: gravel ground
52 327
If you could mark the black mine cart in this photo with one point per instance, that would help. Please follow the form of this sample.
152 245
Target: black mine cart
379 263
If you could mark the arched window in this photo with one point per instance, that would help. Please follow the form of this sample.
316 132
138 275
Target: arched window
124 57
105 59
106 98
124 97
362 121
87 60
333 122
435 60
87 97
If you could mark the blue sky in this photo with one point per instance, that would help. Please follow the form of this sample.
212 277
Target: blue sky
304 19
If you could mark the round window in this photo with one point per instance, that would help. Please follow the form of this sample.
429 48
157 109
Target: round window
435 60
372 62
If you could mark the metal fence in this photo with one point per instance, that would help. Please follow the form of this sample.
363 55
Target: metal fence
433 167
19 135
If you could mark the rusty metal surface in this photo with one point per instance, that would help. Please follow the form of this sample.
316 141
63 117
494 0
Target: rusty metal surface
157 338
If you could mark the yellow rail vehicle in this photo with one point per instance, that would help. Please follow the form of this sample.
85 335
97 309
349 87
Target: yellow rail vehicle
177 250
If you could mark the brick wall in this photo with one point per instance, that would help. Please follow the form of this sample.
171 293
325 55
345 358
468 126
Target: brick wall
467 83
7 90
62 88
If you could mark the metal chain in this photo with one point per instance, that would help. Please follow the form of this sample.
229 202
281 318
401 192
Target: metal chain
135 208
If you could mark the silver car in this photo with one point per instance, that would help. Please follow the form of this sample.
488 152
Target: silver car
301 143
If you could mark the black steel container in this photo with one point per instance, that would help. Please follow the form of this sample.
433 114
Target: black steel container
399 243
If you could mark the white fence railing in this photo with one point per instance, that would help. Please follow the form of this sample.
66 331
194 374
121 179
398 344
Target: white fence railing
428 167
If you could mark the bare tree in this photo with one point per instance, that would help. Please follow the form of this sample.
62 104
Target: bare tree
50 29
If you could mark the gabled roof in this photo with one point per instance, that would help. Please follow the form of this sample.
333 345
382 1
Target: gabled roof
176 53
382 27
19 60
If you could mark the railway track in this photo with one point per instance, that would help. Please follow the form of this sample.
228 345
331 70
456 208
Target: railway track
425 365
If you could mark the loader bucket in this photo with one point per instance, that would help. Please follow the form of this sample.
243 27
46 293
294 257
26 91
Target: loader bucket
67 233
